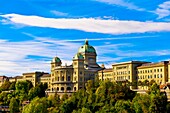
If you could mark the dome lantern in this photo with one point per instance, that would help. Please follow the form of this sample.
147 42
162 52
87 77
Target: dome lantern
86 48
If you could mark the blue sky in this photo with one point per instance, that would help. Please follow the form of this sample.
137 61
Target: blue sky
32 32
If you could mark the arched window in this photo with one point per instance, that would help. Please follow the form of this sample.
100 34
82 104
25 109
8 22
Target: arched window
74 88
62 88
57 88
68 88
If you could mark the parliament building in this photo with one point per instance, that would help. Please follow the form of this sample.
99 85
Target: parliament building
73 77
84 67
68 78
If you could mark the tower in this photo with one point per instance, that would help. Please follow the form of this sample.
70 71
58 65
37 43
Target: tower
54 63
89 53
78 71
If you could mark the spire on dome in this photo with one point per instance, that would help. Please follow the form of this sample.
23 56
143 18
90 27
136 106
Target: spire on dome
86 42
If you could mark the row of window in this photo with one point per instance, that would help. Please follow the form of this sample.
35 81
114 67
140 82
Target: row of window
68 79
150 71
107 74
123 77
150 76
121 73
62 78
62 89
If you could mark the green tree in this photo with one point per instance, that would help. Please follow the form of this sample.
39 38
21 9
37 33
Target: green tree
141 103
89 86
12 86
123 106
146 83
24 86
33 92
22 89
13 106
4 98
158 99
151 82
55 100
30 85
168 108
85 110
37 105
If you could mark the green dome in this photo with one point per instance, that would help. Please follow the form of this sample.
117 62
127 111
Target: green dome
78 56
56 59
86 48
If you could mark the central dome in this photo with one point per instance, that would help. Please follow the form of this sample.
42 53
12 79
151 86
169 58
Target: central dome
86 48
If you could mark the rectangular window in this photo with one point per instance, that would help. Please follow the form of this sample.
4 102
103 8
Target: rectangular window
128 72
161 75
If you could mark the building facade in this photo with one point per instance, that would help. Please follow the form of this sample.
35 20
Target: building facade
67 78
84 67
138 72
121 72
106 74
34 77
153 71
73 77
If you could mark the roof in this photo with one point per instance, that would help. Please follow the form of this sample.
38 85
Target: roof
19 77
78 56
56 59
130 62
153 64
46 75
86 48
106 70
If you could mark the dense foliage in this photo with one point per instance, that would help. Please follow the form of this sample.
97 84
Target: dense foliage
14 94
97 97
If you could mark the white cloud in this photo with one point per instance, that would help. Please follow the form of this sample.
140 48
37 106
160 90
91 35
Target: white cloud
90 24
58 13
122 3
15 57
163 10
